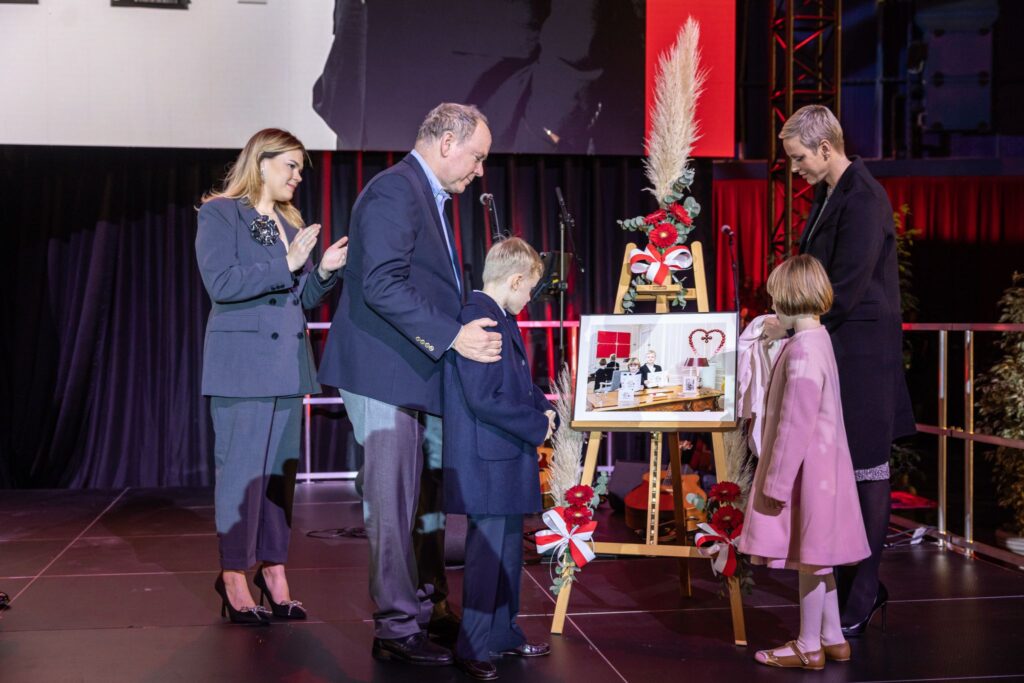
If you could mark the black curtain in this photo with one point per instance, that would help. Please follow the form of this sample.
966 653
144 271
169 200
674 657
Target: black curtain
101 353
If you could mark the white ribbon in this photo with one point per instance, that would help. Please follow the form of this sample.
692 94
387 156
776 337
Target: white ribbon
717 551
561 537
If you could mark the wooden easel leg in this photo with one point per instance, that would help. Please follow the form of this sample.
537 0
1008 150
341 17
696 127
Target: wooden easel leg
739 629
679 511
589 468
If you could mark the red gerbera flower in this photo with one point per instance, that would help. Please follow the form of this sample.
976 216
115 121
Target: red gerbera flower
664 235
727 518
656 217
680 214
724 492
579 495
576 515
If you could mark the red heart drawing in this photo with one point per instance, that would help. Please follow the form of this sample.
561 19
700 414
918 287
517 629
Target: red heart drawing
706 337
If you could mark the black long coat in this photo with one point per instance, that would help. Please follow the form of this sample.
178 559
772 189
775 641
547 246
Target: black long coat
855 239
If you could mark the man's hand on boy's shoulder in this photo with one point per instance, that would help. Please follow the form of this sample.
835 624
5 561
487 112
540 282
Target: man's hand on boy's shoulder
475 342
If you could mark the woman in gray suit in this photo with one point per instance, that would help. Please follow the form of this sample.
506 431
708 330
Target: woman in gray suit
253 253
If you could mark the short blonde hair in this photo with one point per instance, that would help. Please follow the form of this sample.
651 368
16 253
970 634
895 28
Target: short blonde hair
800 286
244 181
511 256
811 125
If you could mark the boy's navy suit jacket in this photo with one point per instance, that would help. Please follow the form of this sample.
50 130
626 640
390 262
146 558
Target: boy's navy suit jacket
493 422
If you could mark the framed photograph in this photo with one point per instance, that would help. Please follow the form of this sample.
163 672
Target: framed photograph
682 372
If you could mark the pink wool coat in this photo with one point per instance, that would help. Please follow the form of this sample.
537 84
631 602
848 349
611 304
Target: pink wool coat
805 462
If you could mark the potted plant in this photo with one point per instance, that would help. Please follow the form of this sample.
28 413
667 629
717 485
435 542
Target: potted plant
1001 411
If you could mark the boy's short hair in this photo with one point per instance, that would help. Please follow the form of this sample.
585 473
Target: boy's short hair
800 286
511 256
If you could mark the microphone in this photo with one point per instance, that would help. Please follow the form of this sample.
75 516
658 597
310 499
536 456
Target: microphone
566 216
726 230
487 199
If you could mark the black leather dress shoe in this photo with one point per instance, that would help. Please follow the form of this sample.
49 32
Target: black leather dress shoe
415 649
482 671
529 650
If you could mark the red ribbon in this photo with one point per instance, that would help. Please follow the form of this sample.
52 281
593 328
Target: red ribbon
560 536
719 546
658 266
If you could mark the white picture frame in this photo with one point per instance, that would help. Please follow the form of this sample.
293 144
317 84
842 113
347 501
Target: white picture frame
676 342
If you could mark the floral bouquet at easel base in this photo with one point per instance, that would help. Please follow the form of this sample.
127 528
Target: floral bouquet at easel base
569 533
716 539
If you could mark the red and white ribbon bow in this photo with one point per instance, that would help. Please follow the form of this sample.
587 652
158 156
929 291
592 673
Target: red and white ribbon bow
657 266
559 536
718 546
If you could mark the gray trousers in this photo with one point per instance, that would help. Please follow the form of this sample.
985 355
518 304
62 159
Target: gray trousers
393 467
256 455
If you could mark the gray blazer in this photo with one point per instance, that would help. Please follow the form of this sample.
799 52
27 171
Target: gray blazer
256 343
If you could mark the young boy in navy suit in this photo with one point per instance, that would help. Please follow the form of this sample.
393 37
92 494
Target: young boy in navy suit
494 419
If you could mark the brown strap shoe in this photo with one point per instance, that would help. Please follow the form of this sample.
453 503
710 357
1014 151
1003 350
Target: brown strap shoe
814 661
840 652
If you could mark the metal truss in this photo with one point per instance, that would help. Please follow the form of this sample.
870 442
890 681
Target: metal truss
805 60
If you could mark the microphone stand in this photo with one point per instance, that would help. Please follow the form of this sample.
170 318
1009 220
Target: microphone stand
565 221
735 265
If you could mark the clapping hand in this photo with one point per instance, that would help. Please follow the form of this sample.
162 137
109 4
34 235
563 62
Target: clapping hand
301 246
334 258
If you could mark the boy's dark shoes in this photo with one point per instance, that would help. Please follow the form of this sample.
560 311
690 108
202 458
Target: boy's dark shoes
415 649
444 623
482 671
529 650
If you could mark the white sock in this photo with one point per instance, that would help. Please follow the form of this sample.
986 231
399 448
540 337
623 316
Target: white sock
831 628
812 607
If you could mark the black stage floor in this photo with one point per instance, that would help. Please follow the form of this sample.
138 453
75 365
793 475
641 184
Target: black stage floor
117 586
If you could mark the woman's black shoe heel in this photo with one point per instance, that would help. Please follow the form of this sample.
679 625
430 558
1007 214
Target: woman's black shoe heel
881 603
282 610
247 616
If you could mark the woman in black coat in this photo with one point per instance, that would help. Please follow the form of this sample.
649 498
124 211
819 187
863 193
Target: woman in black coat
850 230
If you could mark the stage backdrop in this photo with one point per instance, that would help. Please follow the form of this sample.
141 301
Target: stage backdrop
554 77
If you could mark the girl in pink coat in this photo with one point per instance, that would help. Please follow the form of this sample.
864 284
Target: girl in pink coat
803 512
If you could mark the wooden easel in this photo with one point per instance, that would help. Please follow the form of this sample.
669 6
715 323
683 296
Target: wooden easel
662 295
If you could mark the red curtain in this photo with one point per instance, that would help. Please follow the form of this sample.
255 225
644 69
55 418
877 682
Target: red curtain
966 210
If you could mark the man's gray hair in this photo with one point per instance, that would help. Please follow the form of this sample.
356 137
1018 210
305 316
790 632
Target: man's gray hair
460 119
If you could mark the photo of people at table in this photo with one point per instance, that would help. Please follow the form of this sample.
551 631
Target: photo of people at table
668 363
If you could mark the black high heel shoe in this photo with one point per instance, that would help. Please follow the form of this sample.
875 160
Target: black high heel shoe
291 609
881 601
247 616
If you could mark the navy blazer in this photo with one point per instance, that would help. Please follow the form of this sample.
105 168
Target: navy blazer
398 309
493 422
855 239
256 343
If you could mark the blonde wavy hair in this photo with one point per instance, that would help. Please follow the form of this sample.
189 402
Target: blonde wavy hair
243 180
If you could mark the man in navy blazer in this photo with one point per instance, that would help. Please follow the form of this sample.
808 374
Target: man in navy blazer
495 417
396 320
